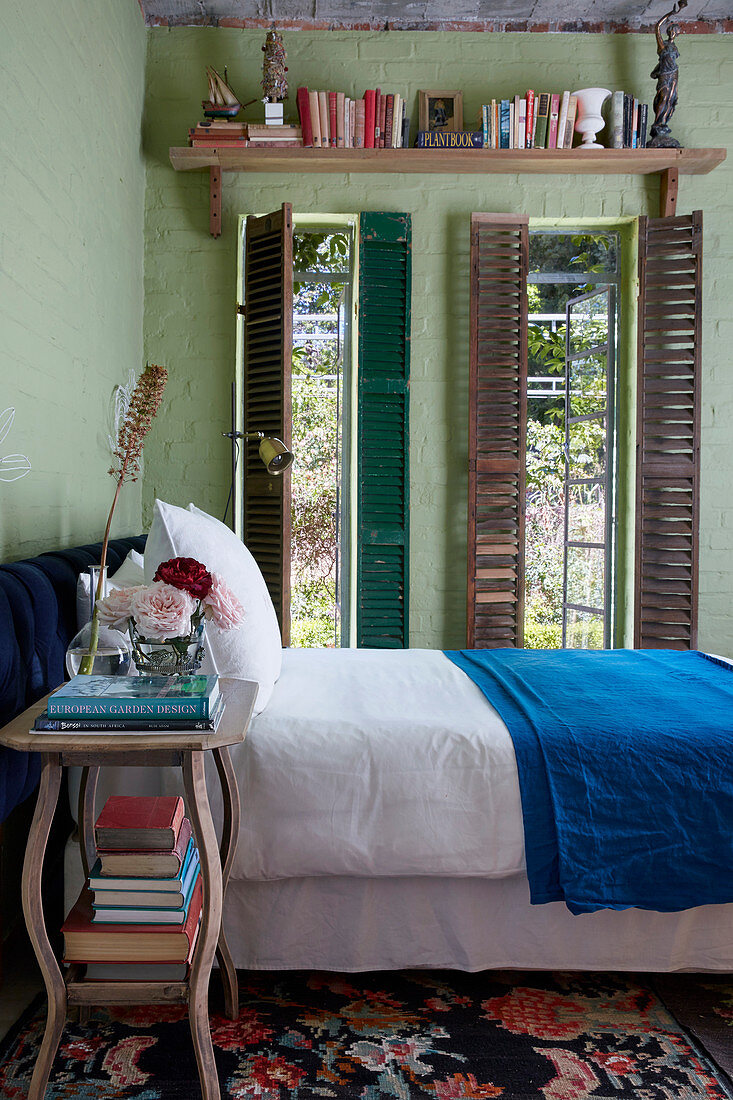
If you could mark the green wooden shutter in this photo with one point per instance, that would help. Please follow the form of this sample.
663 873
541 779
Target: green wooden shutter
668 432
268 351
385 269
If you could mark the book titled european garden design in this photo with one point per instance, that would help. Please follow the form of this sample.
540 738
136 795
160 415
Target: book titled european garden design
135 696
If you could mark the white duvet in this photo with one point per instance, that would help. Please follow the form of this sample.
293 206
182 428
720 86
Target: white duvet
374 762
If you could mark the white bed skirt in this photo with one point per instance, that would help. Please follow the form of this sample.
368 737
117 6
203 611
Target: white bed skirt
359 924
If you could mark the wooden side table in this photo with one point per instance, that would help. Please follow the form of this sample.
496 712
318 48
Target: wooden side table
148 749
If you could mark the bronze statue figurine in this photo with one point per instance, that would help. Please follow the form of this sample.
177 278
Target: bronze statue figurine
666 74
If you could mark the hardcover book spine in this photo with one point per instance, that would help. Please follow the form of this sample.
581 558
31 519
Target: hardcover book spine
485 124
359 127
616 120
635 125
563 120
543 112
462 139
643 120
315 114
323 112
554 117
504 123
515 122
495 124
352 123
530 120
628 110
377 116
382 120
388 120
522 125
369 109
305 116
128 708
340 120
570 125
397 121
332 120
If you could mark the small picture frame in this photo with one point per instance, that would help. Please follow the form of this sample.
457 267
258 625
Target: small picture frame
440 112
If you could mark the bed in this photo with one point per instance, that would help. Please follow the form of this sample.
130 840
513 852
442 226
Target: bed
382 828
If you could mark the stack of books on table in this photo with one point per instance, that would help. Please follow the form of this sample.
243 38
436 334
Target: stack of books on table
134 704
137 917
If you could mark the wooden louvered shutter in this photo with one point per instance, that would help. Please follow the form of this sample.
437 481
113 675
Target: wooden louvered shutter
668 432
385 279
268 333
497 430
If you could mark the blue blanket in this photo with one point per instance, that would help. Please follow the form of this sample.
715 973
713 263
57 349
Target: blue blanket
625 764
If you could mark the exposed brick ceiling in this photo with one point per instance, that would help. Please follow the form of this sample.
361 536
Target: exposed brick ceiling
558 15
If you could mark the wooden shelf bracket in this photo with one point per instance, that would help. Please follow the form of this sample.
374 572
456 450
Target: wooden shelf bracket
668 186
215 201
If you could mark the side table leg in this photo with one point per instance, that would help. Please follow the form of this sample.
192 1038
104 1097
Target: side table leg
48 794
85 817
229 837
197 800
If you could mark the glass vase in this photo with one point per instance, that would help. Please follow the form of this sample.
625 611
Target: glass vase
113 656
170 657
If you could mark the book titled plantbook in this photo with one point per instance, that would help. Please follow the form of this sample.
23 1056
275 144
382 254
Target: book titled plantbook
147 864
85 941
135 697
129 821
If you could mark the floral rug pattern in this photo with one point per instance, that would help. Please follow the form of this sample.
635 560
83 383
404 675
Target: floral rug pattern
414 1034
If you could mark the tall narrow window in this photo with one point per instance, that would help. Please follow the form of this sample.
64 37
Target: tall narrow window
322 378
570 501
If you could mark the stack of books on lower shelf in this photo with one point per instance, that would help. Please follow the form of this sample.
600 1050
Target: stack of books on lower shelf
137 917
134 704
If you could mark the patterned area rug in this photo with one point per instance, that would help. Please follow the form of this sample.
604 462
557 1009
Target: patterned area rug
445 1036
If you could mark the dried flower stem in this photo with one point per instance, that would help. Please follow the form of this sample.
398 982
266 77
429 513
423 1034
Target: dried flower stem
144 404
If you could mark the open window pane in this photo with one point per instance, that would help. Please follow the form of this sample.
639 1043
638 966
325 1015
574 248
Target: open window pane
588 384
587 512
584 630
586 576
588 323
587 448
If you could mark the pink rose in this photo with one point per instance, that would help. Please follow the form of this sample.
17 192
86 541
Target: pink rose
161 611
222 606
116 609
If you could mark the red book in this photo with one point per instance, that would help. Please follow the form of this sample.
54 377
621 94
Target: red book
369 110
305 115
131 822
85 941
529 142
332 123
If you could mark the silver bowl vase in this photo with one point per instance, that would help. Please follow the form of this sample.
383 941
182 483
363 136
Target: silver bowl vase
171 657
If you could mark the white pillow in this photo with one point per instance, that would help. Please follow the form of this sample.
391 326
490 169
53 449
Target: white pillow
128 575
254 650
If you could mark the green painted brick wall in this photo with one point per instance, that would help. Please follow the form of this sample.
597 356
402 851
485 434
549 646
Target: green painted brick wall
72 189
190 278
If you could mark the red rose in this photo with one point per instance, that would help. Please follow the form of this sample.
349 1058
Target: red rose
187 574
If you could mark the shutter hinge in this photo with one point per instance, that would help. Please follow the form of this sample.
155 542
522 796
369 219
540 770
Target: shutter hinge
242 311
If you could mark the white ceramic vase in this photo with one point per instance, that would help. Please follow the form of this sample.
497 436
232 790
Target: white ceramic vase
589 119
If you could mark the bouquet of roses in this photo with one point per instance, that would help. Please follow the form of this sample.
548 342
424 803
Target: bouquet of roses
171 609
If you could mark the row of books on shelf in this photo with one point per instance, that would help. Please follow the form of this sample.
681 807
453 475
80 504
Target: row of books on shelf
546 120
138 914
109 704
334 120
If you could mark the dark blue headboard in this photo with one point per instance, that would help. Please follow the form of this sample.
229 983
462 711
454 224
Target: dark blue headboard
37 622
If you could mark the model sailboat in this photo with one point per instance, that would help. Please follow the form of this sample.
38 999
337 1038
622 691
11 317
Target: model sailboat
222 102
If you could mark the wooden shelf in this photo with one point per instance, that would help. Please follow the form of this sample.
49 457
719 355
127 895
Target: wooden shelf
669 163
570 161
